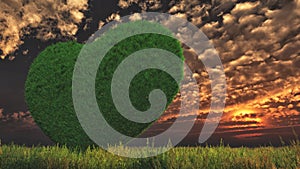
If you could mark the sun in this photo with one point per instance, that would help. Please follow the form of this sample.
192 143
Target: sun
247 117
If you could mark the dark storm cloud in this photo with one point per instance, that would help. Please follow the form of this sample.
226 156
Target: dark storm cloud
229 127
239 123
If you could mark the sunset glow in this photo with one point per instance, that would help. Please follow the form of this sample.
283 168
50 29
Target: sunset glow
246 115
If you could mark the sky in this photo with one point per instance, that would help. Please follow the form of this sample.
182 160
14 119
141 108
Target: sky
258 43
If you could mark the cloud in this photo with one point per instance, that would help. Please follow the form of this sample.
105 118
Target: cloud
257 42
17 16
24 117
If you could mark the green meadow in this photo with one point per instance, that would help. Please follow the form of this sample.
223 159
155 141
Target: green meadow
221 157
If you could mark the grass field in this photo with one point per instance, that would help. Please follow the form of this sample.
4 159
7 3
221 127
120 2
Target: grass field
17 157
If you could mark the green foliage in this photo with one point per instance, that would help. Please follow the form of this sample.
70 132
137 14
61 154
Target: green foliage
142 84
49 85
17 157
49 94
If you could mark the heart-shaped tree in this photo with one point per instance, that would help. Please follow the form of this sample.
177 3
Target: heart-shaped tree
49 86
